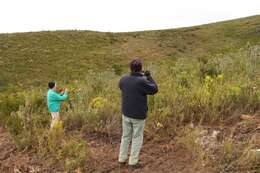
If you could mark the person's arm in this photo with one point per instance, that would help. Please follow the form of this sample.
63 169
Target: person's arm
58 97
150 86
120 84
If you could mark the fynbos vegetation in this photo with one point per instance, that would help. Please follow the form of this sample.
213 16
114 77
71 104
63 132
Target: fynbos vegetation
198 103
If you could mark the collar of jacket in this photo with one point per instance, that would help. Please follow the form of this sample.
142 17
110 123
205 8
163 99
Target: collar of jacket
136 74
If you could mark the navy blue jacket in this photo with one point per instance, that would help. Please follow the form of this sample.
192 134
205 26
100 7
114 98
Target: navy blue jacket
134 89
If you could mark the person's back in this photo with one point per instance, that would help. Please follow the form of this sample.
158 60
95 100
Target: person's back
134 89
54 100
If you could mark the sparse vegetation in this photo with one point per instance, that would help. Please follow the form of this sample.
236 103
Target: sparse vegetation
203 81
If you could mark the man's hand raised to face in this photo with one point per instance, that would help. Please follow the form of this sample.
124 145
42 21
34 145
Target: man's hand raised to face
147 73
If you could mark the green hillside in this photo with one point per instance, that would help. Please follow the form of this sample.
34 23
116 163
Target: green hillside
206 112
36 57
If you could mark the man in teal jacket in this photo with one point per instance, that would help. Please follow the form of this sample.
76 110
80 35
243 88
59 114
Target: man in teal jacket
54 100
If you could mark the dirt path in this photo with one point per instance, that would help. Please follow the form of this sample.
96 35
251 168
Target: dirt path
6 148
14 161
157 157
162 156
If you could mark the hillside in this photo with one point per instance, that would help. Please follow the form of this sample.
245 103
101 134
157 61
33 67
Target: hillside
206 112
35 58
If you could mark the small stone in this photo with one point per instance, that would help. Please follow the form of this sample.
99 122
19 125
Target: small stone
256 153
215 134
17 170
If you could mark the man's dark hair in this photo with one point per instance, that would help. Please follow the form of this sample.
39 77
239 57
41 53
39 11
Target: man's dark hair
51 84
136 65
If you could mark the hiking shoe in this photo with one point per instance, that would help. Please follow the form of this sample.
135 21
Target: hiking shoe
122 164
136 166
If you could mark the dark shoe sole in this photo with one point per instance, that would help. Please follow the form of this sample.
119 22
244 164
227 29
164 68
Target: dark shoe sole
136 166
122 164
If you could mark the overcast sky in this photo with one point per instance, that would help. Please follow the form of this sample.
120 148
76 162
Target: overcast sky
118 15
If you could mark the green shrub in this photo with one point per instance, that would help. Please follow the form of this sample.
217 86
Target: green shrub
104 120
14 124
10 102
56 138
74 120
235 92
118 69
75 153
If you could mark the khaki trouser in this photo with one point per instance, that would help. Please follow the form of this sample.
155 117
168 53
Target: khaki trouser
55 117
133 129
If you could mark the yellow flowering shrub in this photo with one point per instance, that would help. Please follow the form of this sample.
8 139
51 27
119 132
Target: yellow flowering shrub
98 103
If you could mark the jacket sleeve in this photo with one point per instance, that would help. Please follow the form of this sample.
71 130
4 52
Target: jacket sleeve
150 86
120 83
58 97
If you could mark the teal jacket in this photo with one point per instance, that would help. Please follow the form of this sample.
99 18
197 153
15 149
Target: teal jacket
54 100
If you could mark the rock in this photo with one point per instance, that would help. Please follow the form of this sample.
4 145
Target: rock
1 129
247 117
255 153
78 170
191 125
257 29
203 132
215 134
16 170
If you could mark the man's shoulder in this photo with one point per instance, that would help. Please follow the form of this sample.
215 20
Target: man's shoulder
140 78
124 77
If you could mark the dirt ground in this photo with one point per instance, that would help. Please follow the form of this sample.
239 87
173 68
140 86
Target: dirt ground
162 156
158 157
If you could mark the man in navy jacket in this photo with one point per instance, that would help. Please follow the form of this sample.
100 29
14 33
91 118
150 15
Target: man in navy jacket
134 88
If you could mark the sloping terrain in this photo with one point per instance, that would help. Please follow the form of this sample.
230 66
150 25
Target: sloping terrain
194 123
35 58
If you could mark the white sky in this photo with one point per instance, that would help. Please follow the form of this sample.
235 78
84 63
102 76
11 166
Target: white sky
118 15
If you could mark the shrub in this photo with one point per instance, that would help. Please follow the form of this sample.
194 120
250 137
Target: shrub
29 127
117 69
75 153
105 120
74 120
235 92
98 103
9 102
